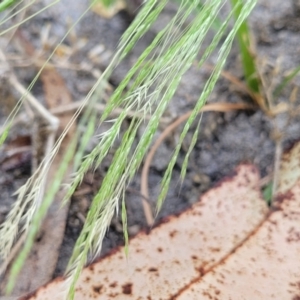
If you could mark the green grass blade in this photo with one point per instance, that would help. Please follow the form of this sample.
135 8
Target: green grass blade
267 193
286 81
244 40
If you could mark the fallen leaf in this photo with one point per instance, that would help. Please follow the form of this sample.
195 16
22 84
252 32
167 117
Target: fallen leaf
178 251
267 265
227 246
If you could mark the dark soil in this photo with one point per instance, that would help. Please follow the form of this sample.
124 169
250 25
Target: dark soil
225 140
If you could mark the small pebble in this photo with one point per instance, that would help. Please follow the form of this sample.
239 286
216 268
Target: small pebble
133 230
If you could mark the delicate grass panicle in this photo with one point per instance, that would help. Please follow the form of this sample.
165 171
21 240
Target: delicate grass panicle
147 89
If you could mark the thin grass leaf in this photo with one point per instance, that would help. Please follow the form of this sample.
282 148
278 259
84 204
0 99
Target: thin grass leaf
4 134
268 193
124 223
16 25
12 11
191 147
286 81
244 40
217 22
8 123
142 22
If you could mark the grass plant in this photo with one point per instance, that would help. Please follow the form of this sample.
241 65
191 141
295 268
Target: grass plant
147 89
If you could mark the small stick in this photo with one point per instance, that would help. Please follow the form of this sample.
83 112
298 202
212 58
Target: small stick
52 120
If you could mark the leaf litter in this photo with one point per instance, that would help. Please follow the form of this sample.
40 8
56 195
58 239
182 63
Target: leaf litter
229 245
